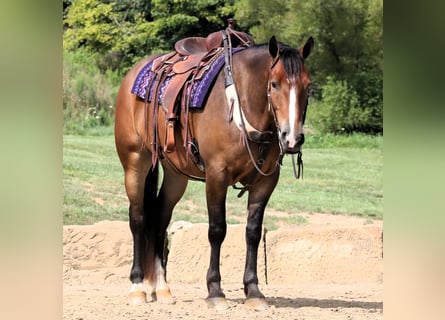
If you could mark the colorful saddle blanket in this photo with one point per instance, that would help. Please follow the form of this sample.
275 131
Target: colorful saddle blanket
200 88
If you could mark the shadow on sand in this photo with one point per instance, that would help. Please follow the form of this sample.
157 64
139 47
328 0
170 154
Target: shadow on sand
280 302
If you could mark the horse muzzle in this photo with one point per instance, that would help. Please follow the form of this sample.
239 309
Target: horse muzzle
291 144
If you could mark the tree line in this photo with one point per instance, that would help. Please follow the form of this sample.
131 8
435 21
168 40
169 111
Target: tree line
108 36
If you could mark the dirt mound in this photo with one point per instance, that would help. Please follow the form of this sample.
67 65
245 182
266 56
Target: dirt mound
297 255
329 269
327 254
190 252
99 253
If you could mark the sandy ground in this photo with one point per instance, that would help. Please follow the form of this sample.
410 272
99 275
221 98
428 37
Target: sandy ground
331 268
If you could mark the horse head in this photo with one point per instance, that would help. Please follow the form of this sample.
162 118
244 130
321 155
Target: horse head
288 88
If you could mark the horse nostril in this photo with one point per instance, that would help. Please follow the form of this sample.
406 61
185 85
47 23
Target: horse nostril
291 141
283 137
299 139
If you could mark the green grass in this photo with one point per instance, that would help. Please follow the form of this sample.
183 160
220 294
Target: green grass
343 180
93 180
342 175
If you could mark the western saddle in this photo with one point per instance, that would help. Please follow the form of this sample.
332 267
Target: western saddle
191 58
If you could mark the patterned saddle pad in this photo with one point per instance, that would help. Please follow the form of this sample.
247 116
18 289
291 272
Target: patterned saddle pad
200 88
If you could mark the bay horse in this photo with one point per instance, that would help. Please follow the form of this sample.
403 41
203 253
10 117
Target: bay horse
272 84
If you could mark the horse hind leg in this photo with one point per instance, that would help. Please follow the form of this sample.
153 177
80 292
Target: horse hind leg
172 189
139 183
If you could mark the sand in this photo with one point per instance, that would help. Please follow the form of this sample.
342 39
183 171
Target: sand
330 268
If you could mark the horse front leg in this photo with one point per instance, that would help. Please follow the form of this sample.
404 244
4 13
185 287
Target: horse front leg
216 206
258 198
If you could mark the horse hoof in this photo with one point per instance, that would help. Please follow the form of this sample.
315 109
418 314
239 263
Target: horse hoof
163 296
137 297
257 304
217 303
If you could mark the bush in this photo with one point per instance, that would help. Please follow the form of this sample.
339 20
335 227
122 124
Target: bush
354 140
88 94
339 110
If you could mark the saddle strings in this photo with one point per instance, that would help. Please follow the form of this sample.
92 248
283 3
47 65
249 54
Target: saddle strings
245 43
144 141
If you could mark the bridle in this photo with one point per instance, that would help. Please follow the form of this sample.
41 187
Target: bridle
298 166
247 130
297 172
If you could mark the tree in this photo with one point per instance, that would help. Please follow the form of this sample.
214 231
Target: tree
119 33
348 37
91 24
177 19
348 47
116 33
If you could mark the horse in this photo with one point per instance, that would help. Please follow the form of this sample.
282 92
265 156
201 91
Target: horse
272 84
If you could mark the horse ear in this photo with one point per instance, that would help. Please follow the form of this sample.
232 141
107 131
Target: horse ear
307 48
274 47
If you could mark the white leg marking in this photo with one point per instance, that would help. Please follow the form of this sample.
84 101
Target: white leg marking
137 295
135 287
160 283
161 291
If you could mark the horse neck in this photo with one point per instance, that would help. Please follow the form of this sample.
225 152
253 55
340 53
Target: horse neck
252 87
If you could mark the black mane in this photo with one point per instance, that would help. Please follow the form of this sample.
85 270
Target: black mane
290 57
292 61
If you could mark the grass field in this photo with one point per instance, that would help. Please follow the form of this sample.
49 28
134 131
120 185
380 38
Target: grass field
342 175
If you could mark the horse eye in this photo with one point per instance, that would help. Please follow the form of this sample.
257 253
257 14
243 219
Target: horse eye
274 84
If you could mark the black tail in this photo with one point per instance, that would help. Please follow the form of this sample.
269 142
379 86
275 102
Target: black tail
151 220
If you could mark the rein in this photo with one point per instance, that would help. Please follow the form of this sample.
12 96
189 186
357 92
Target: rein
247 130
249 150
299 164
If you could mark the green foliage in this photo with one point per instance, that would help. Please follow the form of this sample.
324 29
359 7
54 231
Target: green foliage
339 109
348 47
88 95
177 19
102 40
115 33
91 25
346 64
269 19
119 33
